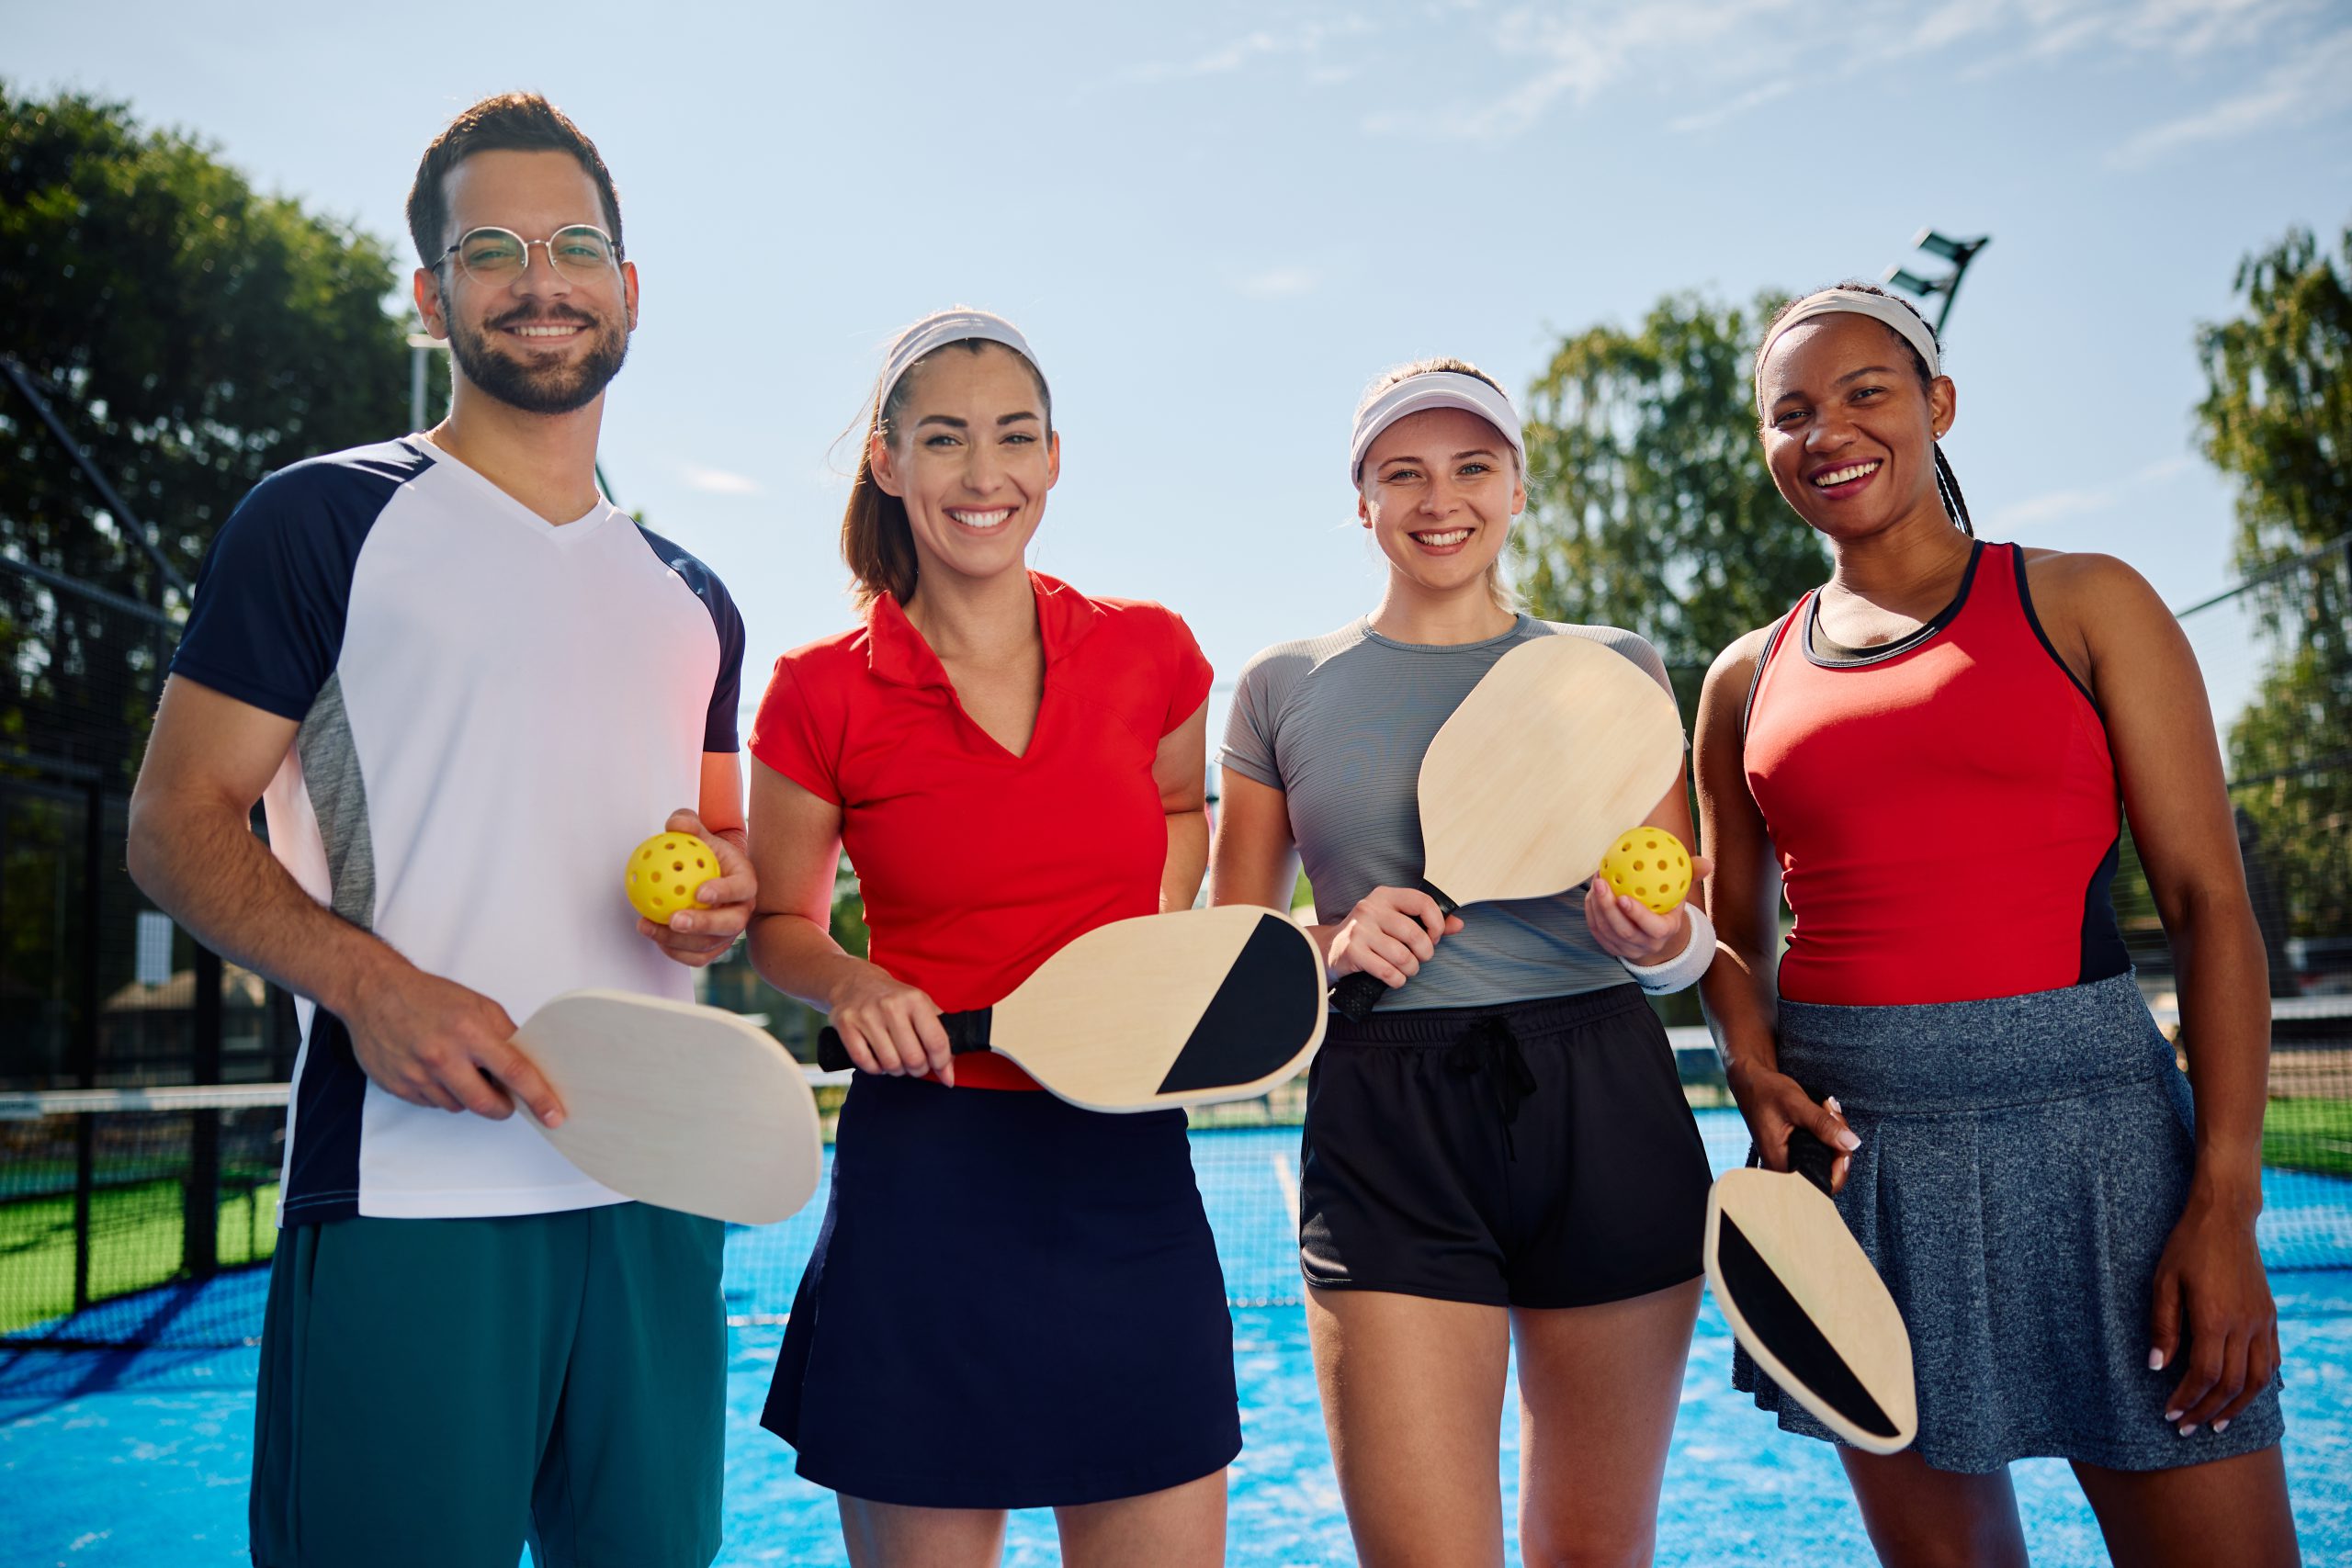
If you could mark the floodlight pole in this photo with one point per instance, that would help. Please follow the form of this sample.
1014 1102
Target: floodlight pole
1963 254
1959 252
421 345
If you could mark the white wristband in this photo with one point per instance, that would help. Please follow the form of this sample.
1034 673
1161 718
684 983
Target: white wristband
1685 967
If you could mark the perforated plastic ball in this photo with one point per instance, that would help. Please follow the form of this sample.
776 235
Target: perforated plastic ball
664 872
1651 864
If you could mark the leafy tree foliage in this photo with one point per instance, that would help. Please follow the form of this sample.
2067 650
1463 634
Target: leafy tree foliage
1650 506
2278 417
191 334
2277 409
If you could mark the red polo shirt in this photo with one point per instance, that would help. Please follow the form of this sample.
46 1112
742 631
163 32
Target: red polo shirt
977 865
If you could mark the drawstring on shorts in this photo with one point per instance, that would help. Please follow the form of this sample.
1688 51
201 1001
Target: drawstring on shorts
1488 1045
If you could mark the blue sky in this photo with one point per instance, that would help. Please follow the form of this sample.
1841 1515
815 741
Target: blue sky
1216 222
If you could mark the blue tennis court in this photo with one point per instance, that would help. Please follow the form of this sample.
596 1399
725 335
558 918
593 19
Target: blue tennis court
140 1458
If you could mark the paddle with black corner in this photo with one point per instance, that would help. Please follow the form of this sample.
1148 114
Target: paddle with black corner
1803 1297
1183 1009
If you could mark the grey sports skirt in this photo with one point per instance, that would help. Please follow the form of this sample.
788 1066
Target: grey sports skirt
2023 1161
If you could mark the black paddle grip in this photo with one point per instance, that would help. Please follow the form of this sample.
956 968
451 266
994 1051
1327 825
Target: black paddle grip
1810 1157
966 1032
1356 995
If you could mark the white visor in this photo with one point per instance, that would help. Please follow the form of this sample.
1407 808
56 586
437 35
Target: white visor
1435 389
938 331
1851 302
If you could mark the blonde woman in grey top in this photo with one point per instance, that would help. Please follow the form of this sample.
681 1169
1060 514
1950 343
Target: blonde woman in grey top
1503 1152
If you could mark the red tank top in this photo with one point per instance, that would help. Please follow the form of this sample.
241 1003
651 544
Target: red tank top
1944 807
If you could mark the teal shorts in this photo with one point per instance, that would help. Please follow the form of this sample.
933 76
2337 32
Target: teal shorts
444 1392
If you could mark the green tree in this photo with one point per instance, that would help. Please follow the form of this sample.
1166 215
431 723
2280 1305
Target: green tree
1650 507
191 334
2277 409
2276 417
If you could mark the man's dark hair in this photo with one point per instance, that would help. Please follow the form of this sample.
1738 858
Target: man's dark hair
510 123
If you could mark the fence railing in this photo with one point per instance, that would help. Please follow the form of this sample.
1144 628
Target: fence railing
97 990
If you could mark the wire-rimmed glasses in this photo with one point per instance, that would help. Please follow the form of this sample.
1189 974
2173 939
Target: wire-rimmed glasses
496 257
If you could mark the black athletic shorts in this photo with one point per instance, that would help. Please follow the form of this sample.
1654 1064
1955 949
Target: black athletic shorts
1534 1155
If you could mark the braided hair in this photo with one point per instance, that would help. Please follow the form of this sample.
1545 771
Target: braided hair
1947 482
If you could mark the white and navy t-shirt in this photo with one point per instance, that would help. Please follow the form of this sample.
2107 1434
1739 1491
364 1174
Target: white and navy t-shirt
493 710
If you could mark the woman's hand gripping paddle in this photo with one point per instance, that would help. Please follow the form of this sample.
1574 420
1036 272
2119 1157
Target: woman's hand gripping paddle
686 1107
1183 1009
1557 750
1801 1294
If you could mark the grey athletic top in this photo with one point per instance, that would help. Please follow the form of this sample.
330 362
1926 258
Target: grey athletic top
1339 724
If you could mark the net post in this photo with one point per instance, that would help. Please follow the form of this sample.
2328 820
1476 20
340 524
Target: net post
85 1048
200 1198
85 1173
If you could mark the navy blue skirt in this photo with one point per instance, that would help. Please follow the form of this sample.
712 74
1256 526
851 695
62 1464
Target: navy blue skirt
1013 1303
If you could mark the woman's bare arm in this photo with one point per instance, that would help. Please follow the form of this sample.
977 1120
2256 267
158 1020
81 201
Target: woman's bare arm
796 840
1179 769
1743 898
2116 634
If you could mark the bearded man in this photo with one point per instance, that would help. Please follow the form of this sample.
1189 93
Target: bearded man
462 684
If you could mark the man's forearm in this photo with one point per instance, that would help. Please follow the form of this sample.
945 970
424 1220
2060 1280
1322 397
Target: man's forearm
203 866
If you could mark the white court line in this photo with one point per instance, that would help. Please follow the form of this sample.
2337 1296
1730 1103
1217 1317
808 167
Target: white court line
1287 1179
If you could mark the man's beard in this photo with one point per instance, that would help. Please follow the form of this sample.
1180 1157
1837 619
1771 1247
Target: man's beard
547 388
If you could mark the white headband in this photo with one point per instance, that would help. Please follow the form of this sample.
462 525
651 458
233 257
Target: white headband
1851 301
1435 389
941 328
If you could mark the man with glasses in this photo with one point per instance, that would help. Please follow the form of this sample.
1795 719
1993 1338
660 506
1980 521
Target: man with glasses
463 685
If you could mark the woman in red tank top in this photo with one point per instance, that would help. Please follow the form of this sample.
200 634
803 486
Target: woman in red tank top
1933 754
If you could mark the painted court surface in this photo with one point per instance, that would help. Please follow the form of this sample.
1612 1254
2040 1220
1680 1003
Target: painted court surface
142 1458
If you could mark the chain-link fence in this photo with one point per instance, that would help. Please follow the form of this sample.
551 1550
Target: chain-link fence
97 987
2276 652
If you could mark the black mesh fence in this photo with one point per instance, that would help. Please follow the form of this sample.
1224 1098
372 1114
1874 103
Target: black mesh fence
2276 652
133 1224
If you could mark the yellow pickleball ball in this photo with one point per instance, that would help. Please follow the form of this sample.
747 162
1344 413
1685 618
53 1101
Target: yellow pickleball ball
664 872
1651 864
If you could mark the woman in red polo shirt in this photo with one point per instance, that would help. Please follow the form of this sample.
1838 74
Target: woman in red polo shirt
1013 1303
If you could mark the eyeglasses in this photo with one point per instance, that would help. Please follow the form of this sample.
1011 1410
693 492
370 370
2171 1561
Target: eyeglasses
496 257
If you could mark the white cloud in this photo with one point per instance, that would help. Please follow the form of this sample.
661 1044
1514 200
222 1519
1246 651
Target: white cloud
1279 283
2192 27
1308 40
1949 24
719 482
1707 119
2316 83
1717 59
2082 501
1582 56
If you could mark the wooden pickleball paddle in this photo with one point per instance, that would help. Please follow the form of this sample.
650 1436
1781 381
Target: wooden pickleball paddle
1182 1009
1559 748
1801 1294
686 1107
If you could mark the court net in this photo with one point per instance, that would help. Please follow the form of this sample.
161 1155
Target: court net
140 1218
